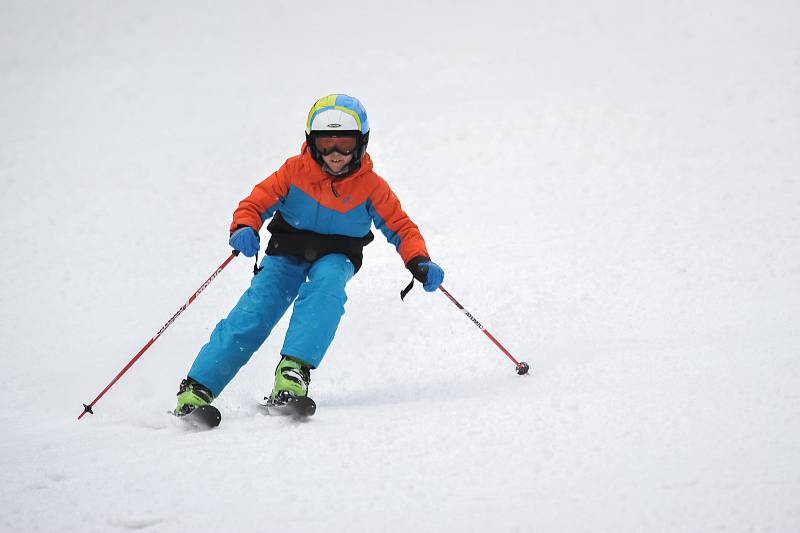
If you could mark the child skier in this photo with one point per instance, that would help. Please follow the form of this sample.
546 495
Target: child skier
322 203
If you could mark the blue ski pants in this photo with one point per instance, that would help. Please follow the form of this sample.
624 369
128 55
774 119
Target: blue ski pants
318 288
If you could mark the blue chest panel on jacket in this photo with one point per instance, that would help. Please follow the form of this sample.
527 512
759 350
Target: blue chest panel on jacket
304 212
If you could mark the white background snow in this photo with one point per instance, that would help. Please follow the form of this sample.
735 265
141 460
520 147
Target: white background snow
611 187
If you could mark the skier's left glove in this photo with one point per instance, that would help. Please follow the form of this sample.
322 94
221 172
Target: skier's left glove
429 273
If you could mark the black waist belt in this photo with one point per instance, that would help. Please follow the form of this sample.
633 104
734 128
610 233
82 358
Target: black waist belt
286 240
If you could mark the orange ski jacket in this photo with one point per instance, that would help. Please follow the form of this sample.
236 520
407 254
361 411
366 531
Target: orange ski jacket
310 199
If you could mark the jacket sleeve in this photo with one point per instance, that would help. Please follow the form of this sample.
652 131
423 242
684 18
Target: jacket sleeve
389 217
265 199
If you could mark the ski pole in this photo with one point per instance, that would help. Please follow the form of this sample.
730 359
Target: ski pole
88 408
522 366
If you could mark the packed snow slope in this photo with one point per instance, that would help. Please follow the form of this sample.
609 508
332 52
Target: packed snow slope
611 187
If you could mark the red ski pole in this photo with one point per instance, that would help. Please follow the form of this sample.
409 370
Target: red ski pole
522 366
88 408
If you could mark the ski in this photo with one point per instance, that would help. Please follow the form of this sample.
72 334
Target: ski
303 407
203 417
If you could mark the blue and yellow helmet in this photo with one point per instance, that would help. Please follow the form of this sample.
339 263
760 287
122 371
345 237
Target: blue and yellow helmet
338 115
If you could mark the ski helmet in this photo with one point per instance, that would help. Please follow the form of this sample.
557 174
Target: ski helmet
338 115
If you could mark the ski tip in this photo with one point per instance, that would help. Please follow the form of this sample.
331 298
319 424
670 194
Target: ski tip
300 408
204 416
208 415
306 406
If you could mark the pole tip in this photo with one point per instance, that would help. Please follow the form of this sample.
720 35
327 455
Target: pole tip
522 368
87 409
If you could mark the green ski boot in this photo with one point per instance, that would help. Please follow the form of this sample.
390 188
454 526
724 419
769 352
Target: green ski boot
192 395
291 380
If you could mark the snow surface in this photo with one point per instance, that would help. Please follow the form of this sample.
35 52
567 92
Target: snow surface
611 187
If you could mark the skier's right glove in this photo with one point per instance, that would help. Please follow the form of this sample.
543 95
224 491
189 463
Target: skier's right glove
245 240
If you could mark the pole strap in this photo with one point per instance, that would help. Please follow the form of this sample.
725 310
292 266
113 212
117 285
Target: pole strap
408 288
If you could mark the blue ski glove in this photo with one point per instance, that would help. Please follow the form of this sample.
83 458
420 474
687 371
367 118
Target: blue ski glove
245 240
435 276
429 273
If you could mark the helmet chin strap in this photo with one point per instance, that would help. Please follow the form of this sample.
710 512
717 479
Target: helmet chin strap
346 170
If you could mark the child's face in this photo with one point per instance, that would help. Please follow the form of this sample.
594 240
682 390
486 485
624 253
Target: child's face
336 161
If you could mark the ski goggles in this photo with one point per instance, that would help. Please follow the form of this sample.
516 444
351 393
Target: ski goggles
326 145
